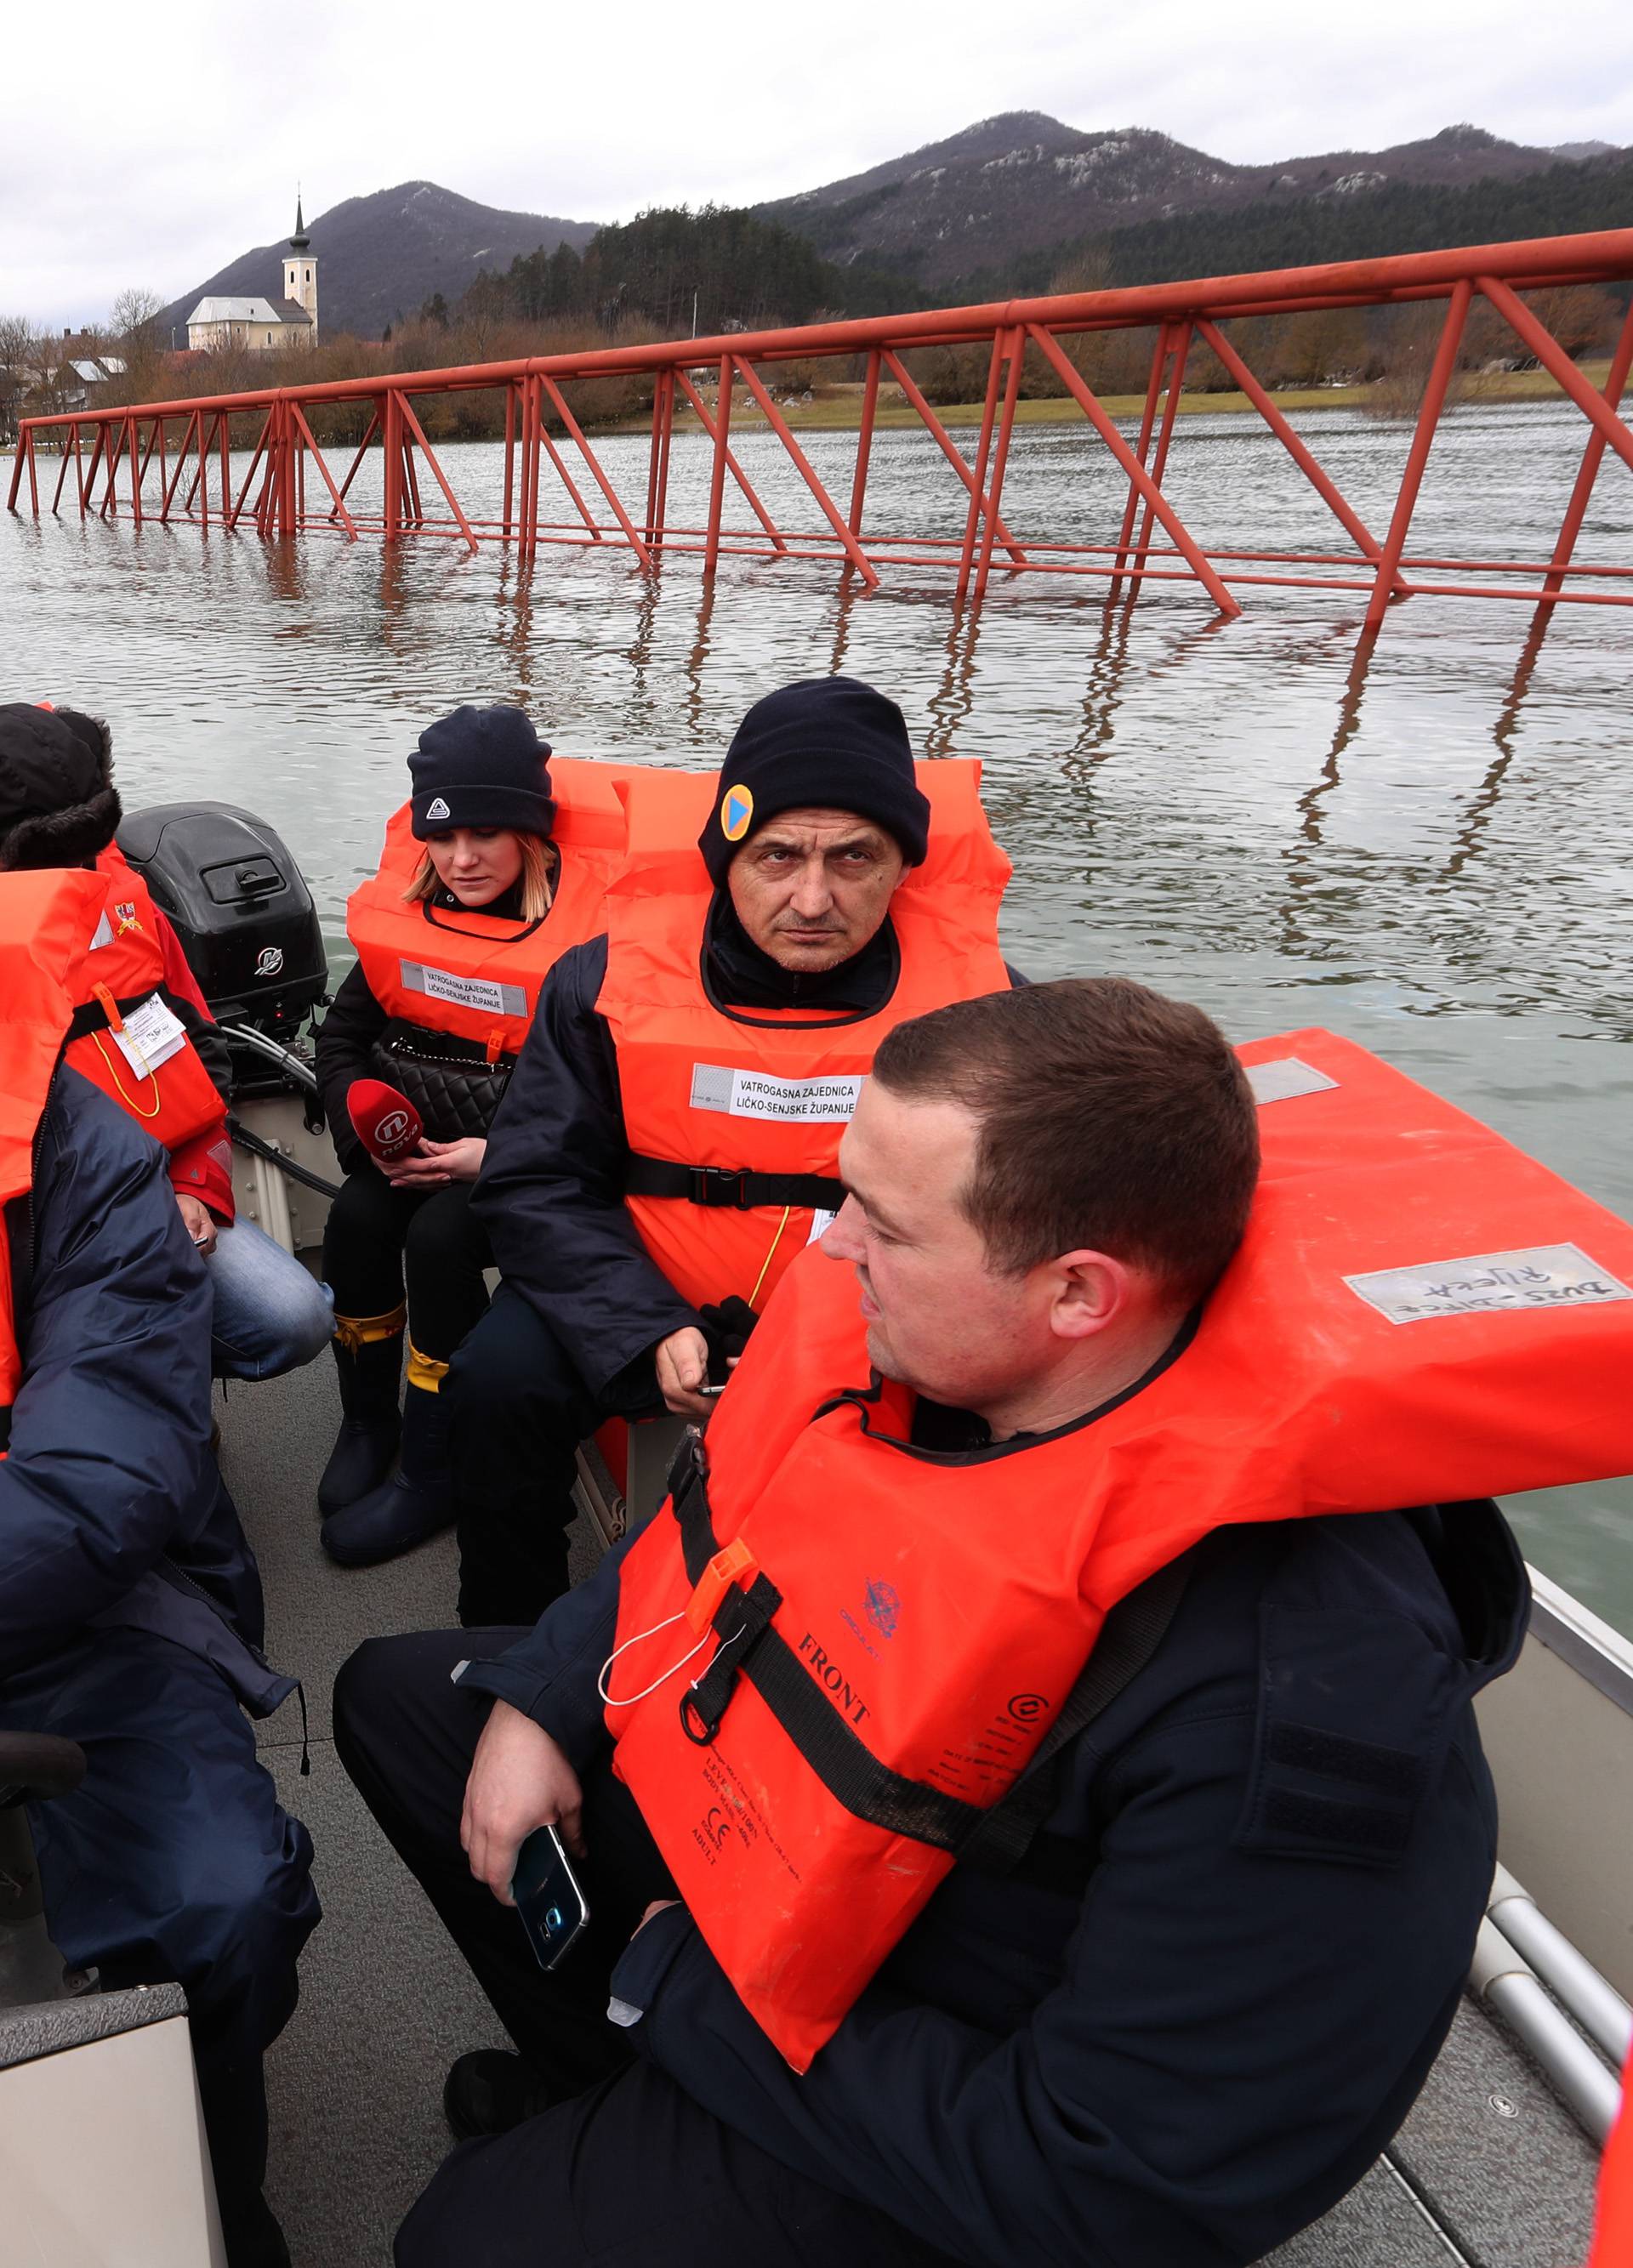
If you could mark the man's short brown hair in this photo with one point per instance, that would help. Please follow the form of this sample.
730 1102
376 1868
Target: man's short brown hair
1111 1120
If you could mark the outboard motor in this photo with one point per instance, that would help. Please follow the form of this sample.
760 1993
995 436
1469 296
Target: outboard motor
247 926
244 915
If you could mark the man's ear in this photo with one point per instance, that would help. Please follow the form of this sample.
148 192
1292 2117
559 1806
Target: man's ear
1089 1291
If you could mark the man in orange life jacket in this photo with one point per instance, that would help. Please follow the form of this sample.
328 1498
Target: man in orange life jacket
1184 2025
816 916
59 807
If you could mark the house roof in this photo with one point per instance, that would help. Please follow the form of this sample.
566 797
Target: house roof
96 373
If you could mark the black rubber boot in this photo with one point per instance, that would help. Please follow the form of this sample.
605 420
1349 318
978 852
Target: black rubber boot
370 1425
414 1503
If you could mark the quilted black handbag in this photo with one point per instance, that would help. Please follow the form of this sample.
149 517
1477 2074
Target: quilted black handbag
456 1095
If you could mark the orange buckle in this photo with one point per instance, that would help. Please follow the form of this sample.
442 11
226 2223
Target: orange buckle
110 1007
716 1579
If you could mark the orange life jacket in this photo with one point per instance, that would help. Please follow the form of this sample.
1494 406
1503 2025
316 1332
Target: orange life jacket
123 1037
733 1117
1418 1313
46 922
473 975
1613 2228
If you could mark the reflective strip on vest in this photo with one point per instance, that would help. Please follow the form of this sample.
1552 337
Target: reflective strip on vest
1300 1394
757 1095
478 992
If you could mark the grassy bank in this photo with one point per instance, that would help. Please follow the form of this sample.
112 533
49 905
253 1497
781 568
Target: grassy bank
837 409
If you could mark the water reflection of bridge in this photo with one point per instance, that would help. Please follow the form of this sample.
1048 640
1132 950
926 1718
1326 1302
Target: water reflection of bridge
140 458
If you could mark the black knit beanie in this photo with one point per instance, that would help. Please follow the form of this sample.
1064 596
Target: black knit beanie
827 743
481 768
58 806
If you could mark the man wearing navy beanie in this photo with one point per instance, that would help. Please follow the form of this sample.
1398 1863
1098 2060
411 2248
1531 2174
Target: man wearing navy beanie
668 1142
827 741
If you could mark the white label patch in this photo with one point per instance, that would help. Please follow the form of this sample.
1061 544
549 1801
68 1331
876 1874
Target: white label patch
1490 1283
755 1094
477 992
104 935
1282 1081
821 1223
150 1036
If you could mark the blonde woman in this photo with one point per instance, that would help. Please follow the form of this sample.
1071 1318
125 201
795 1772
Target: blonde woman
454 934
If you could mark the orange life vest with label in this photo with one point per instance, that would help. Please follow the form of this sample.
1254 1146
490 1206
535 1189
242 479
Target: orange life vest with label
472 975
733 1118
46 922
123 1037
846 1650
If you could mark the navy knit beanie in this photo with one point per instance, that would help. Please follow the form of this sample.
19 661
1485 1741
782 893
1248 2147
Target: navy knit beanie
481 768
827 743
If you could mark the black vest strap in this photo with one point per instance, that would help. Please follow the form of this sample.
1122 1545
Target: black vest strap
730 1185
92 1017
994 1839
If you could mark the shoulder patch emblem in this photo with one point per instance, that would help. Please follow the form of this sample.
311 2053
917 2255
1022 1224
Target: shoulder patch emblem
736 812
125 915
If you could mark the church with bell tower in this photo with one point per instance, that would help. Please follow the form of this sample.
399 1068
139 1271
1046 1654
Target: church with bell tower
218 323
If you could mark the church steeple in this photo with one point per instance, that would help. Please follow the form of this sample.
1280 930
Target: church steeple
300 276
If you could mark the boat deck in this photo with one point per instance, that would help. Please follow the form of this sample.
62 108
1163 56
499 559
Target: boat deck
1489 2170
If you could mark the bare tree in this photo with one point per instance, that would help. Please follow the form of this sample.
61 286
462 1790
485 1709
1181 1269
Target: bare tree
132 317
16 336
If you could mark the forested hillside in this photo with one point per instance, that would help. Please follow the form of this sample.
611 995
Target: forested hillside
1399 218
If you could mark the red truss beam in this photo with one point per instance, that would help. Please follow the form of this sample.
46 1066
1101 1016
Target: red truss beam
1146 539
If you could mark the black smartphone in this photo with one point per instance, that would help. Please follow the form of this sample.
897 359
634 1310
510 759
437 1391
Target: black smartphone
549 1897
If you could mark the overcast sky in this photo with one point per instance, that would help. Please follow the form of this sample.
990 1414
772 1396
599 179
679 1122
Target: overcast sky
151 153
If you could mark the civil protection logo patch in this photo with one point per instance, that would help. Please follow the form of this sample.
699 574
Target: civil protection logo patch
736 813
884 1606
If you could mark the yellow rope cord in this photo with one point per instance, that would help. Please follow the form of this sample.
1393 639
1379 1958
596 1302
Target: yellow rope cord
129 1101
771 1255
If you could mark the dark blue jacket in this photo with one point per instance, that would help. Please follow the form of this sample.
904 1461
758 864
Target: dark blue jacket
111 1509
1190 2024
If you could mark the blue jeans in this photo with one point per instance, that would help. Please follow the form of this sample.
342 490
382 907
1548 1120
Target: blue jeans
269 1315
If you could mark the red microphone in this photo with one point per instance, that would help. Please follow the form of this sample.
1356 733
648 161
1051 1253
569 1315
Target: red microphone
388 1124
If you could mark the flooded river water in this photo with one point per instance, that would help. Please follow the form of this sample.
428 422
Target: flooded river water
1431 855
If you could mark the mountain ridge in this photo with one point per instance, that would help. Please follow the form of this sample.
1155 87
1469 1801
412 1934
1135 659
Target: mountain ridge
1021 181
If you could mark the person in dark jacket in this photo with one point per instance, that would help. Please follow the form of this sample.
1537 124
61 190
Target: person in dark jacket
59 807
481 816
1189 2020
130 1621
587 1325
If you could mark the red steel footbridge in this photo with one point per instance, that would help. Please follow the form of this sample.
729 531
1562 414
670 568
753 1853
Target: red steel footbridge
173 461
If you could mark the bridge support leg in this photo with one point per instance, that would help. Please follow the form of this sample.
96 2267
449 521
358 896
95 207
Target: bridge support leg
1388 582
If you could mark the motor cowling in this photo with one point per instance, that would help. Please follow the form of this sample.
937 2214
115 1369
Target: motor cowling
240 907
